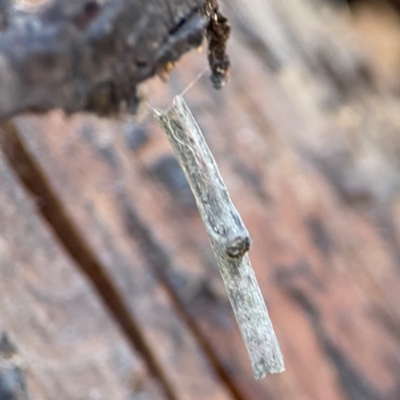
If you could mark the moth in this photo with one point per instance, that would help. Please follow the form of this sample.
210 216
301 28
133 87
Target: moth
228 235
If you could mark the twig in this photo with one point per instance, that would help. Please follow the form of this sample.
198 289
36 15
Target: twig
91 54
229 237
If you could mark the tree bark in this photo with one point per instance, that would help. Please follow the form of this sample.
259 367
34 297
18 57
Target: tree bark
91 55
306 137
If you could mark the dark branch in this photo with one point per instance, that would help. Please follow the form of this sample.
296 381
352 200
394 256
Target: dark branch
91 55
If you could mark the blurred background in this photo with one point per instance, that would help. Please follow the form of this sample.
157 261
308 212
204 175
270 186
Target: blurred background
109 288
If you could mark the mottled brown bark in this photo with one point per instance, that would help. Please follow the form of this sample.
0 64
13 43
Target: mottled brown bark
308 129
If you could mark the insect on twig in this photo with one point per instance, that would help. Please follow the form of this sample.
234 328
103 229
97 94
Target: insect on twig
229 237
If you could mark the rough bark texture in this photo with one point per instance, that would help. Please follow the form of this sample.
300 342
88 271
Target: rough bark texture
56 336
91 55
308 128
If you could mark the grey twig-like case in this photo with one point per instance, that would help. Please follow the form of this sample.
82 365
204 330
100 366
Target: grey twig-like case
229 237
